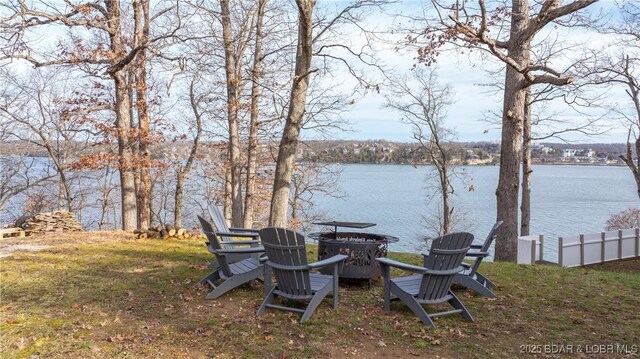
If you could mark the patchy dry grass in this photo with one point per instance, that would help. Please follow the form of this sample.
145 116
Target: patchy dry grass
103 294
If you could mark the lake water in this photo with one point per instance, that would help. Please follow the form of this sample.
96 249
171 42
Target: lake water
566 200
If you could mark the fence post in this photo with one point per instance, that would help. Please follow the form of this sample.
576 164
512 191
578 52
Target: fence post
533 252
637 242
619 243
542 246
603 236
581 249
560 247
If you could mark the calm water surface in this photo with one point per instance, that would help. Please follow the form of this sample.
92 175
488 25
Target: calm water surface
566 200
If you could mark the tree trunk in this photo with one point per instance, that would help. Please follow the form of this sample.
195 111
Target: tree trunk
125 155
511 147
233 102
636 172
252 152
446 211
294 209
525 204
177 213
143 190
293 124
123 120
227 193
184 171
105 198
65 189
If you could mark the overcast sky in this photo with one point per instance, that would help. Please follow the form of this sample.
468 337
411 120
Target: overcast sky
465 74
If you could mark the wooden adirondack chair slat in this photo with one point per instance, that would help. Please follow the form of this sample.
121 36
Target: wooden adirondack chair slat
433 286
233 271
470 277
220 225
287 258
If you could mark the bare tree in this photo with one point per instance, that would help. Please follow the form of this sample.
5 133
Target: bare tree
141 21
20 174
252 145
541 124
506 33
234 49
291 132
183 170
623 70
34 109
422 102
98 43
310 179
317 40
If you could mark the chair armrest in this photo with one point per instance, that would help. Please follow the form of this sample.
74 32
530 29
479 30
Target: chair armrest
477 254
469 254
238 234
240 250
248 230
238 243
476 246
328 261
400 265
444 272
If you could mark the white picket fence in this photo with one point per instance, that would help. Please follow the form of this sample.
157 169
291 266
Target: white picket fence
583 249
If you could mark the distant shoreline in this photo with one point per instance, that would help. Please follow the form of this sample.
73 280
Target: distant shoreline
474 165
546 163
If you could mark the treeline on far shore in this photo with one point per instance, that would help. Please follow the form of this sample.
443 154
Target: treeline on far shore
367 151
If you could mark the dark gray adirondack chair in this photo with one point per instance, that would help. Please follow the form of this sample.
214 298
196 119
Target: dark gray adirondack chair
232 273
227 234
470 277
287 258
220 222
432 284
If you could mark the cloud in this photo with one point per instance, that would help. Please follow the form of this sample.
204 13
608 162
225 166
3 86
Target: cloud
466 74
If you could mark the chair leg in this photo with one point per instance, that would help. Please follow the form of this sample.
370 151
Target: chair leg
335 286
267 284
212 277
489 284
315 301
415 307
457 304
474 285
233 282
387 294
268 299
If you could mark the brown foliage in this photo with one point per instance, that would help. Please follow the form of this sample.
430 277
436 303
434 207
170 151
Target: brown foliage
629 218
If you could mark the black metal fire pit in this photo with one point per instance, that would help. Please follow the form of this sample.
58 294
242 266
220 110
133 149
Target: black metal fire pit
362 250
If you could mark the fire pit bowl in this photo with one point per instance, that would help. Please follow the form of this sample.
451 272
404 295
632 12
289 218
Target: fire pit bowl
362 250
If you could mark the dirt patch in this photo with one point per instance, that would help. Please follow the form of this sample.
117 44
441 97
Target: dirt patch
36 242
6 251
631 265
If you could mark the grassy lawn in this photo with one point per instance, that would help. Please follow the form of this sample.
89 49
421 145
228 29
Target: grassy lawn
102 294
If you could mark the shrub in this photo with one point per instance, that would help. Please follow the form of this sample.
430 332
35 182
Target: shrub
629 218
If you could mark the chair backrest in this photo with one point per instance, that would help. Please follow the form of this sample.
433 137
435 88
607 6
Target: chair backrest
212 237
485 247
217 217
288 259
444 261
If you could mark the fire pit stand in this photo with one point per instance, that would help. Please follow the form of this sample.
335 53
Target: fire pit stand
362 249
